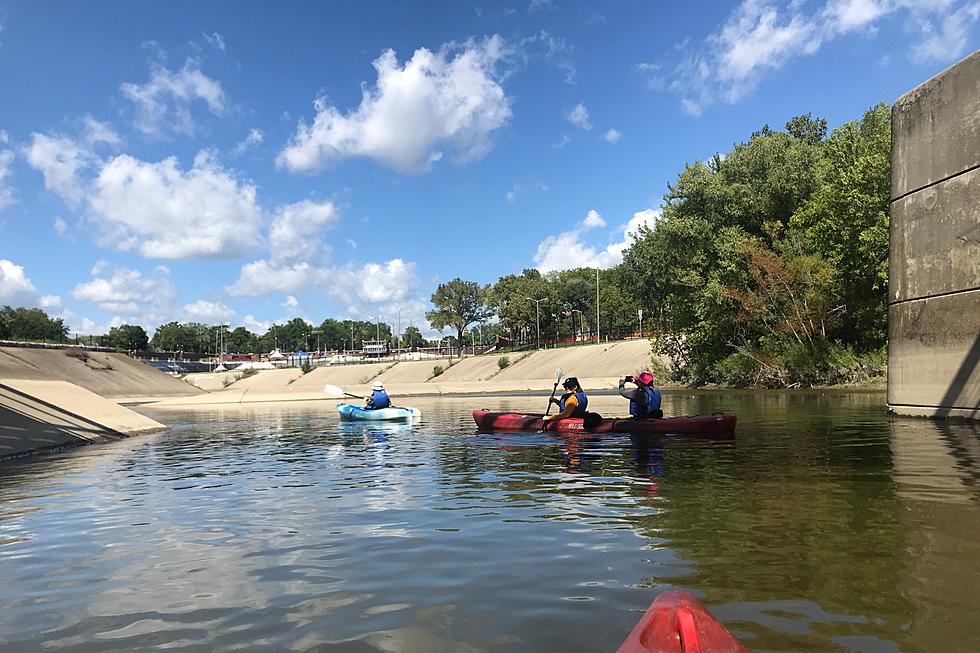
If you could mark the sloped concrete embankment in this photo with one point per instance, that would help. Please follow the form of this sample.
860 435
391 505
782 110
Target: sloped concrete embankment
36 415
105 374
597 366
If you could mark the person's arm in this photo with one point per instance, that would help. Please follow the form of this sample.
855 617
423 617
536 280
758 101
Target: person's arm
570 405
624 392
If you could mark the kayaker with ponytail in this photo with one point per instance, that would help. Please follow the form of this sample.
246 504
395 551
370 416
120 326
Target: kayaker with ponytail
379 397
645 399
573 403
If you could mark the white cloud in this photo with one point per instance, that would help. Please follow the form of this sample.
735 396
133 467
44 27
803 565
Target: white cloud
262 277
129 295
16 288
539 5
99 132
760 36
163 104
255 137
165 212
612 136
60 226
61 160
6 159
592 220
215 39
290 302
255 325
565 140
448 100
579 116
652 74
512 194
567 250
553 50
950 39
373 282
51 303
846 15
208 312
291 234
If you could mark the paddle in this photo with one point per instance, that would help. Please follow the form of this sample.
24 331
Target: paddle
554 390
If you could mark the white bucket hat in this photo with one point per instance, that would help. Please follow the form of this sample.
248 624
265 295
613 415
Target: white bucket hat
377 386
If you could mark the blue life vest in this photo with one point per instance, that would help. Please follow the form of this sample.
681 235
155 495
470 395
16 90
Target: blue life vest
652 402
583 403
379 399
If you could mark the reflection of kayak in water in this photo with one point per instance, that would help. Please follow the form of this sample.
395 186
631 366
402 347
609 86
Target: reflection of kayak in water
356 413
676 623
701 424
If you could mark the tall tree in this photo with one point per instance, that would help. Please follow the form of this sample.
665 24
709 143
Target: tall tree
128 336
31 324
458 304
412 337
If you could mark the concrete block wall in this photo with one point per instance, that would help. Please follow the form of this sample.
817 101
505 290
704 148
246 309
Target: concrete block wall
934 263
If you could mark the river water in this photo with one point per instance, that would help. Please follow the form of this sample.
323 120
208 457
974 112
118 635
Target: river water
824 525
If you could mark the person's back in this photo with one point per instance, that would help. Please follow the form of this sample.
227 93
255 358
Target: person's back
645 399
379 397
573 403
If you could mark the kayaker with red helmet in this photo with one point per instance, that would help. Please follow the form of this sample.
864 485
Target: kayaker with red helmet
645 399
573 403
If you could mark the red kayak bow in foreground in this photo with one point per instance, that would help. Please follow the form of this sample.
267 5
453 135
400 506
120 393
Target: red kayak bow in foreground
700 424
676 623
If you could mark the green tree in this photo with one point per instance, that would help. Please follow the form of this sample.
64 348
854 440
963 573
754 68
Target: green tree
509 297
807 129
846 223
412 337
31 324
128 336
241 341
458 304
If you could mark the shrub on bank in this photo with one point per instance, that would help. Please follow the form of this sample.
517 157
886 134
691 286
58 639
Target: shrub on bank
503 362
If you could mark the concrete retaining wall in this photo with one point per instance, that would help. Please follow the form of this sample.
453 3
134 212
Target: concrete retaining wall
934 264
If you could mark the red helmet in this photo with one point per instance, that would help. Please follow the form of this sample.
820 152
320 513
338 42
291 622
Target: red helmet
645 378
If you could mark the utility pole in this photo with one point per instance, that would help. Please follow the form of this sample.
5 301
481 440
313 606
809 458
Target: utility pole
597 305
537 315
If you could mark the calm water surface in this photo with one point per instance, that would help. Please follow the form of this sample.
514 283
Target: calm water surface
824 526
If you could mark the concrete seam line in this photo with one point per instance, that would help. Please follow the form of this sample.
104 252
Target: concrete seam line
934 183
936 296
935 407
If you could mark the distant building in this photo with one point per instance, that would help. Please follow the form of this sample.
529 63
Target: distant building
375 348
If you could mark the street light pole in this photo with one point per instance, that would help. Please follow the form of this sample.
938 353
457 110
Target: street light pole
537 315
597 305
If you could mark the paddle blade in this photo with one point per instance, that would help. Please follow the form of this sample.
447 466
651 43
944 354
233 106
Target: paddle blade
558 375
333 391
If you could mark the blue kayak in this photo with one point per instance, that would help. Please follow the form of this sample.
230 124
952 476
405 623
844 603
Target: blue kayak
357 413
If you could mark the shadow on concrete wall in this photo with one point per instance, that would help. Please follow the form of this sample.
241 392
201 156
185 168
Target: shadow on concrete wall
960 382
20 433
29 424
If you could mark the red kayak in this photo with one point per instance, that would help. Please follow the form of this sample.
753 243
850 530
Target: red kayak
676 623
701 424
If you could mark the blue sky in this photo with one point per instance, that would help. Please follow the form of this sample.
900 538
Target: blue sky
251 162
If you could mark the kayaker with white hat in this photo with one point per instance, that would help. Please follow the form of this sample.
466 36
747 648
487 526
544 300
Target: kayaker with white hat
379 397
